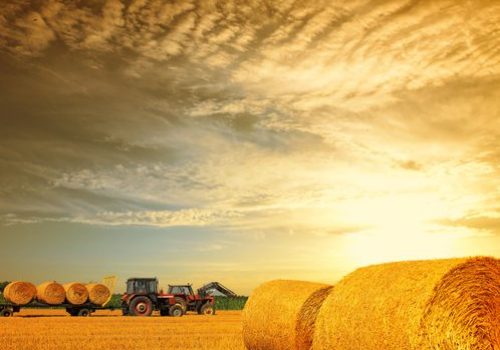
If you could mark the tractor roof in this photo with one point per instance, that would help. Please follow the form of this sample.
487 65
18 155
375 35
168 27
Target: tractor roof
143 279
180 285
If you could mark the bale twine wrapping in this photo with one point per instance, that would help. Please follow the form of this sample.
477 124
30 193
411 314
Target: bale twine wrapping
99 294
417 305
19 293
280 315
76 293
51 293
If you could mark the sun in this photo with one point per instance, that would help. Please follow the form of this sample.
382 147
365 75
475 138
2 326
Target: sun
398 227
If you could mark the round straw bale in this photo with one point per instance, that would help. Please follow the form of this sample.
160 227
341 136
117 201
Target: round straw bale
76 293
99 294
19 293
280 315
50 293
417 305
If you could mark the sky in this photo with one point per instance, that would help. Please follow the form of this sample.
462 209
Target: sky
244 141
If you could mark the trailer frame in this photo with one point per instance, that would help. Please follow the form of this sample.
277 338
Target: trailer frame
83 310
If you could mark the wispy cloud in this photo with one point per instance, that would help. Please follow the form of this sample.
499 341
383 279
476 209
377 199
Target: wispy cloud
480 223
163 218
272 116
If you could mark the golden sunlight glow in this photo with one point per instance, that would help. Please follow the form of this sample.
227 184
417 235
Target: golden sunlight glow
398 227
393 243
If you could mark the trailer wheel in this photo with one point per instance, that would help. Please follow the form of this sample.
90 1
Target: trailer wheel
84 313
207 309
6 313
141 306
176 311
72 312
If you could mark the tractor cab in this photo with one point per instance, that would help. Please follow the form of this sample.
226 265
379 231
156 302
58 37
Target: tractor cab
184 289
142 286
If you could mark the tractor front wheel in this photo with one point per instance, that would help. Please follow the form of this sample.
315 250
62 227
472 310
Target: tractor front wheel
180 301
176 311
141 306
207 309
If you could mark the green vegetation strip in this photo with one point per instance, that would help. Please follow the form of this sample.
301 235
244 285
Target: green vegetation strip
230 303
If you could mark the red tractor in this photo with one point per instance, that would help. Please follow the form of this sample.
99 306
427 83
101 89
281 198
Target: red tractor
184 295
142 298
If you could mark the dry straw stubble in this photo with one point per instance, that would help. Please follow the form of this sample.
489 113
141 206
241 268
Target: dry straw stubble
76 293
280 315
51 293
19 293
99 294
417 305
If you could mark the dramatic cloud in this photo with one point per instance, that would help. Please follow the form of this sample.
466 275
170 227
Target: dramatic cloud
291 116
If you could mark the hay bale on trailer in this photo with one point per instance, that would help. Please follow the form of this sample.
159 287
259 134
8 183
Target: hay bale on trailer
280 315
51 293
19 293
76 293
417 305
99 294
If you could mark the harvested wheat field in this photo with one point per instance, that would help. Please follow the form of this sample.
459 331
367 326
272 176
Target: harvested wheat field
54 329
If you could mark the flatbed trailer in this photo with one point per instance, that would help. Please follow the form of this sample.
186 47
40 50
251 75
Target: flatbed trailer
8 309
83 310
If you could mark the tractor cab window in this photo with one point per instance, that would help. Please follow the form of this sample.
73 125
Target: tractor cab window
180 290
131 287
152 286
141 287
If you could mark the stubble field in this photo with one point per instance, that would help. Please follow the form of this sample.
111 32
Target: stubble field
53 329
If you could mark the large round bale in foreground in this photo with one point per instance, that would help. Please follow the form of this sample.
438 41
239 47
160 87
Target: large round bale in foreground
19 293
417 305
76 293
280 315
51 293
99 294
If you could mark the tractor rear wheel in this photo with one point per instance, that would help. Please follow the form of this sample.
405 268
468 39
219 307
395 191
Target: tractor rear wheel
207 309
141 306
176 311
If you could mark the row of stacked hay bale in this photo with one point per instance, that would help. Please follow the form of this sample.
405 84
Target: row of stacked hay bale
415 305
53 293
